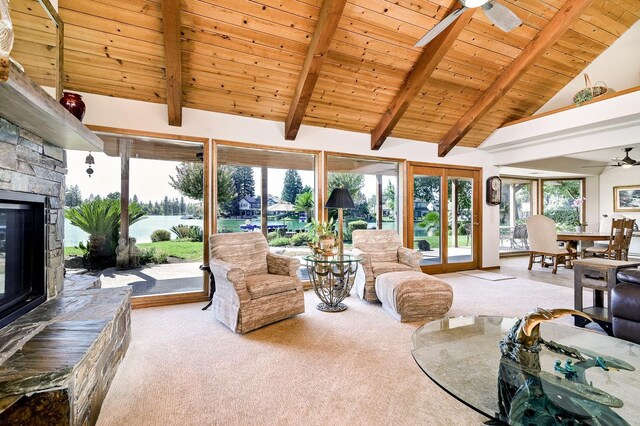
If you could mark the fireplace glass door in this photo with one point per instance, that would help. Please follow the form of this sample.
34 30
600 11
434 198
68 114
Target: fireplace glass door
22 277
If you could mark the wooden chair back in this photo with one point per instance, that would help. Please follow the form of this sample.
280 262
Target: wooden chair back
616 239
627 235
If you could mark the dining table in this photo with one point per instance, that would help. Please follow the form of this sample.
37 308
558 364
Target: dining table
586 239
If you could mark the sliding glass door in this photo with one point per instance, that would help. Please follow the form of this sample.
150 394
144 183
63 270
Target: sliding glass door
442 198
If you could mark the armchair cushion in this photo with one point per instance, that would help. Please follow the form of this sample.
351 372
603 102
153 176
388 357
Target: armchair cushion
380 268
268 284
409 257
282 265
380 245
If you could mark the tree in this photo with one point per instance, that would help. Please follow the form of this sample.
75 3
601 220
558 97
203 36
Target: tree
350 181
243 181
304 203
389 196
113 195
166 206
101 220
189 180
292 186
73 196
226 185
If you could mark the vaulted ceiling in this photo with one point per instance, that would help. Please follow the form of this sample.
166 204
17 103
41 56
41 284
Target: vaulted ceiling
248 58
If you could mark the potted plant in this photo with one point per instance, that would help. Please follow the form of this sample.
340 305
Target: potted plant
323 236
430 222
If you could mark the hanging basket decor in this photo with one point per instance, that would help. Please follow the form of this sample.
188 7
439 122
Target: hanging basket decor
590 91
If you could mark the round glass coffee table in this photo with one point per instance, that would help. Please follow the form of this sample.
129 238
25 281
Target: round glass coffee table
462 356
332 278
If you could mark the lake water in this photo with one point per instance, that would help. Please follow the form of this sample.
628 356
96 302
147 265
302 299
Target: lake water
142 230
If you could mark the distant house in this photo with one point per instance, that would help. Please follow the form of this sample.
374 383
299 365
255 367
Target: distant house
272 199
249 206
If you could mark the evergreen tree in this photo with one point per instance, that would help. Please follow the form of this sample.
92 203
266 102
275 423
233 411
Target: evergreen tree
292 186
73 196
113 195
243 181
135 199
183 206
389 196
166 207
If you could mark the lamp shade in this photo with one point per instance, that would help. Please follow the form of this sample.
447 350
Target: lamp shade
340 199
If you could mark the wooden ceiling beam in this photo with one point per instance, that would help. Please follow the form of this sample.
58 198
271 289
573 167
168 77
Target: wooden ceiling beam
422 70
552 31
327 23
173 59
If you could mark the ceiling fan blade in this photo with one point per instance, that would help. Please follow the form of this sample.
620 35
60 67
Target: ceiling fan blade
440 27
501 16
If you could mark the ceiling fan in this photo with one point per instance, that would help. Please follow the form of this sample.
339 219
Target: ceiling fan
625 162
500 15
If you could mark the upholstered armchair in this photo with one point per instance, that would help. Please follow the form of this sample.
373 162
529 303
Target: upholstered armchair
543 243
253 286
382 252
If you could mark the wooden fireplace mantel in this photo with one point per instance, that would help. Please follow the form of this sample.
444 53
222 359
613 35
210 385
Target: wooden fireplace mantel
27 105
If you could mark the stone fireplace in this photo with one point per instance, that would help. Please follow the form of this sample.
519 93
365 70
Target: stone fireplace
30 165
57 360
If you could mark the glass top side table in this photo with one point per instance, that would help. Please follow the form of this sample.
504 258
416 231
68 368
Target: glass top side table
462 356
332 278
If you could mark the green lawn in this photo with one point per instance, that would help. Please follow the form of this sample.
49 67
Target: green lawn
186 250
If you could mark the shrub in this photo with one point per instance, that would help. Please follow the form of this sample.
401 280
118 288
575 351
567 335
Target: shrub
160 235
352 226
280 242
272 236
300 238
196 233
180 231
151 255
357 224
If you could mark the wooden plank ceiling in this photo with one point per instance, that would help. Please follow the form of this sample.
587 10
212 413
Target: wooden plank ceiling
246 57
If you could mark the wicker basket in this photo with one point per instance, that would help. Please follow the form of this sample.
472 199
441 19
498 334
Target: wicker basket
590 92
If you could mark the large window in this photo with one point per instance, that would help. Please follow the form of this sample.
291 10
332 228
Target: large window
139 218
373 185
563 201
517 204
269 191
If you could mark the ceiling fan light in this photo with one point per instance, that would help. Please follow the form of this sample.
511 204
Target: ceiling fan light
473 3
626 165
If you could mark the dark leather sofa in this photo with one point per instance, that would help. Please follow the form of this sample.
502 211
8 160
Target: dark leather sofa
625 305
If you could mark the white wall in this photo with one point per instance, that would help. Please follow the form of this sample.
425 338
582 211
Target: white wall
623 52
144 116
619 177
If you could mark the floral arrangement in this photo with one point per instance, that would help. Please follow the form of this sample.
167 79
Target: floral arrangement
577 203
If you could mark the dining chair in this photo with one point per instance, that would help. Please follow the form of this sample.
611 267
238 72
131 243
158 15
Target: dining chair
628 235
543 243
613 250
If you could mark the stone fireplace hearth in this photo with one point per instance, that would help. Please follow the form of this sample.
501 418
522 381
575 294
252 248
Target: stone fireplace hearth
58 360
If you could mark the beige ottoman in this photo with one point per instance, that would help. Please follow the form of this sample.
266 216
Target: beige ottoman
413 296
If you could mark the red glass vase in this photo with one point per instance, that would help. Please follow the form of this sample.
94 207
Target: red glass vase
74 104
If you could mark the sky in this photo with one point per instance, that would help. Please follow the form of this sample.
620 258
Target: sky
149 179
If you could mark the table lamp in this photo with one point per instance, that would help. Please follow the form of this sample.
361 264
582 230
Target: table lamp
340 199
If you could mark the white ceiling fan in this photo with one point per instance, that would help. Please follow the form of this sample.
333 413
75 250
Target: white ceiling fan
500 15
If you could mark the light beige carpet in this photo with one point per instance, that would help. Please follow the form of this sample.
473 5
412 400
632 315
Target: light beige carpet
348 368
